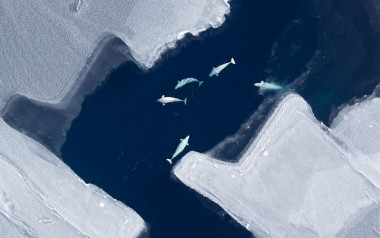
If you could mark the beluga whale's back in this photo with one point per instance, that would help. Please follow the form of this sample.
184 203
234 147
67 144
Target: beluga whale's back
217 70
165 100
268 86
180 148
185 81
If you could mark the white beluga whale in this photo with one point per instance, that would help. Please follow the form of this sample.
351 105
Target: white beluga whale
165 100
185 81
180 148
268 86
217 70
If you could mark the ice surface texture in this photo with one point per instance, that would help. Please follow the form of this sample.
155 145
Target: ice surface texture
46 47
358 128
45 44
296 179
41 197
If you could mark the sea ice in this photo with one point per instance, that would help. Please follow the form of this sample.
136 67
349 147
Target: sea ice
46 44
46 48
41 197
295 179
358 128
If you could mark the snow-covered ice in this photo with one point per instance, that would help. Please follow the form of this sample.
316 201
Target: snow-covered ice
46 44
296 179
41 197
358 128
46 48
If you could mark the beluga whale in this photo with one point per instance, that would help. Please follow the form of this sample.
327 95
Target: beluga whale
185 81
180 148
217 70
165 100
268 86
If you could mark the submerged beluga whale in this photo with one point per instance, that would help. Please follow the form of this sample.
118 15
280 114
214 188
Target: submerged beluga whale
185 81
217 70
180 148
268 86
165 100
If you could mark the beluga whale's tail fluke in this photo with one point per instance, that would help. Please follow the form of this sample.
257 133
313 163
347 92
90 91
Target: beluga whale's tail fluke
170 161
233 61
185 101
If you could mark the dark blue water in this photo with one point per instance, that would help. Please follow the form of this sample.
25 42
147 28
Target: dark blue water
122 136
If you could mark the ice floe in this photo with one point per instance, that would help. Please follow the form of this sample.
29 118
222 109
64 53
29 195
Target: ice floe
358 128
46 44
296 178
41 197
47 47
